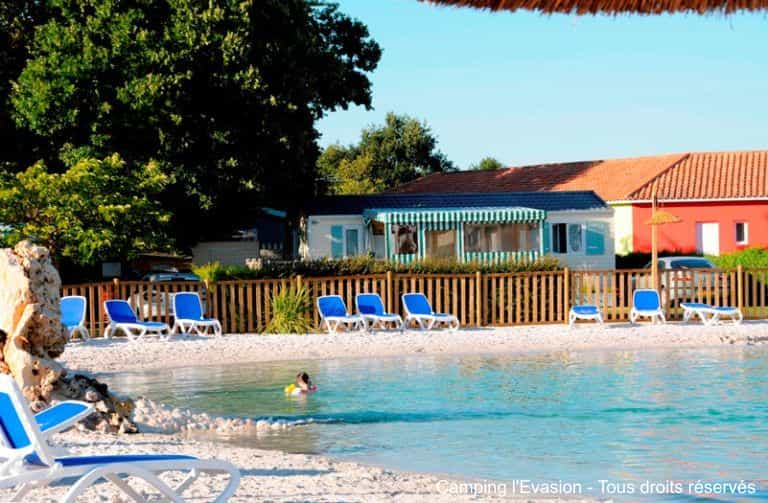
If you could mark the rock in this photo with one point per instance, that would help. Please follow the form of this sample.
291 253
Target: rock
30 319
32 336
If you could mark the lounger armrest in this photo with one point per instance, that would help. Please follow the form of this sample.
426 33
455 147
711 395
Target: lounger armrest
62 416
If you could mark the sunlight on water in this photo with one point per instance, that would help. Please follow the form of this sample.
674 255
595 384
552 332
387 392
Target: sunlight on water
683 414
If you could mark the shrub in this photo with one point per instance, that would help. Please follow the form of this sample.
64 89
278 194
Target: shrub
366 265
290 310
749 258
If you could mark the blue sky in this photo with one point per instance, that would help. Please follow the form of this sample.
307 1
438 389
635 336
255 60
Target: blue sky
527 88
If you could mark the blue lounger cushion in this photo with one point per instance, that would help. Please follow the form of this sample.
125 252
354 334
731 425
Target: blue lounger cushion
700 305
586 309
332 306
151 324
58 414
72 311
103 460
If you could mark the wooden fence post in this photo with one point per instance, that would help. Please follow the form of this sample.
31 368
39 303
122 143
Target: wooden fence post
207 286
478 299
566 293
389 291
298 282
740 286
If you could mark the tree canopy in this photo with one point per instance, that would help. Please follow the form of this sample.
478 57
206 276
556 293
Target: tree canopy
487 164
222 96
400 150
78 214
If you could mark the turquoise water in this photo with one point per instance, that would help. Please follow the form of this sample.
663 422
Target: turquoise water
629 416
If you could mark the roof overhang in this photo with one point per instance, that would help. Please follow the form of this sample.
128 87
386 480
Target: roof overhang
455 215
690 200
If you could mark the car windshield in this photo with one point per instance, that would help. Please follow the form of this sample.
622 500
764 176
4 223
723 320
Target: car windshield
691 263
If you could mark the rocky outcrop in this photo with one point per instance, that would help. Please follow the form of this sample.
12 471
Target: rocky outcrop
30 320
113 413
32 336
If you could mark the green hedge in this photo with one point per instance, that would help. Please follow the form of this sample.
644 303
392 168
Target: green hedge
364 265
750 258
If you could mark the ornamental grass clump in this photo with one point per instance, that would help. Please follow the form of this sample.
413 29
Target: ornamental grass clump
290 312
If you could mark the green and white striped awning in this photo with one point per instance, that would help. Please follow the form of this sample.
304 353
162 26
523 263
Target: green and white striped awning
456 215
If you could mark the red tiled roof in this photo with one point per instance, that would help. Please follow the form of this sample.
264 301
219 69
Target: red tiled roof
675 176
711 175
611 179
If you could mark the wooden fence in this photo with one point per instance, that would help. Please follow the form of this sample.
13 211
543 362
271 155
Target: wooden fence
499 299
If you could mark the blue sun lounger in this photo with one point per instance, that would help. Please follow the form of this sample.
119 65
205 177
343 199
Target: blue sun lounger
27 461
122 317
710 315
188 315
73 316
371 309
646 303
333 313
418 309
584 312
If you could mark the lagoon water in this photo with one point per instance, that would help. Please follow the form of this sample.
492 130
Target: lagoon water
628 416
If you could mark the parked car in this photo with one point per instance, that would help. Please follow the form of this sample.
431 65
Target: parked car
157 301
687 277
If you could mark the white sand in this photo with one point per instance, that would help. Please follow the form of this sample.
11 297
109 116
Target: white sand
277 476
118 354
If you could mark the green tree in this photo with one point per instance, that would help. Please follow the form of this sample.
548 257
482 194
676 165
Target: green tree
80 216
487 164
224 94
400 150
18 19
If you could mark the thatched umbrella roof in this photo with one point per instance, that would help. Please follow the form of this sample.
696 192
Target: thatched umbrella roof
661 217
612 6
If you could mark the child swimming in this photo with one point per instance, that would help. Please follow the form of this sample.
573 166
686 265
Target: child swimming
303 385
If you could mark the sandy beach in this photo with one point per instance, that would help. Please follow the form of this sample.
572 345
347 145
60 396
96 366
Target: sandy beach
278 476
115 355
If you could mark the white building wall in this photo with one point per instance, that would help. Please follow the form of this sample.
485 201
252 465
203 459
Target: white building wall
318 234
580 260
225 252
622 221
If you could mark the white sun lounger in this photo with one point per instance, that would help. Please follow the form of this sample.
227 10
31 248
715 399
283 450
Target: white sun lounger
710 315
333 313
73 316
646 303
418 309
122 317
584 312
371 308
27 461
188 315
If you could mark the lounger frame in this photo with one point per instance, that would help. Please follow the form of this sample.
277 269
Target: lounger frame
134 330
381 321
653 314
573 316
190 325
15 472
334 323
427 321
80 328
711 315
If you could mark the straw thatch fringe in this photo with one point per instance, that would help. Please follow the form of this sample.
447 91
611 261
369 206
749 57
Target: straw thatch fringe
612 6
